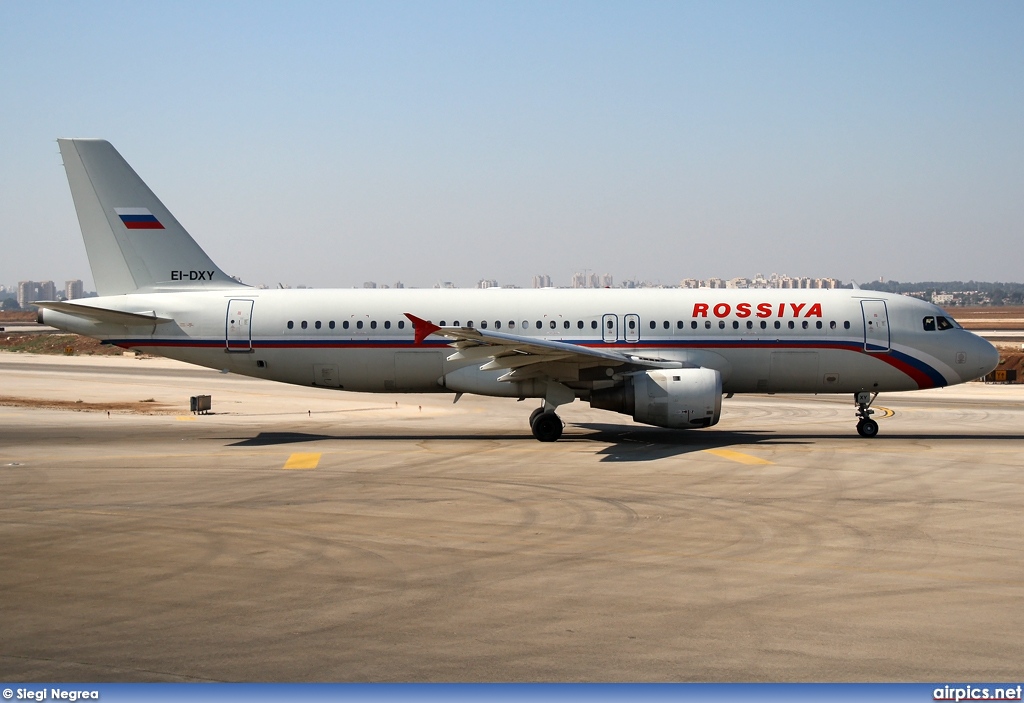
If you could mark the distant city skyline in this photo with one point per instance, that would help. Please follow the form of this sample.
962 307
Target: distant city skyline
47 289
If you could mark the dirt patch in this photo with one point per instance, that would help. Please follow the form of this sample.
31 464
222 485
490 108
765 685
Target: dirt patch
989 318
139 407
36 343
20 316
1011 359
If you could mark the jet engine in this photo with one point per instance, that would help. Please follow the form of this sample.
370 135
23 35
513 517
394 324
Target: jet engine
673 398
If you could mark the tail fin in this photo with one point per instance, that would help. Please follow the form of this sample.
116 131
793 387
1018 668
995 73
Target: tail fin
133 241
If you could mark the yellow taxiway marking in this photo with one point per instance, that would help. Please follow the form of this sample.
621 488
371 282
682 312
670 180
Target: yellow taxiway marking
739 456
303 460
185 418
886 412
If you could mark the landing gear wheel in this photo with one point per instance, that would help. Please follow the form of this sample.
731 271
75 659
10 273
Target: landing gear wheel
535 414
867 428
547 427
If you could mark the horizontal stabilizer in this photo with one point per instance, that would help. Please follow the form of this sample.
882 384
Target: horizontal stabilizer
117 317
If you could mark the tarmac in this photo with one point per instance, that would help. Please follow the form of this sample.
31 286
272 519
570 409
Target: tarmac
299 534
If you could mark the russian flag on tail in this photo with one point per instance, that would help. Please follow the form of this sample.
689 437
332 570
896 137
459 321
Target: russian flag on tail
138 218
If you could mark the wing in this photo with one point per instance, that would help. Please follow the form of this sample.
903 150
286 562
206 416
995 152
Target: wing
528 357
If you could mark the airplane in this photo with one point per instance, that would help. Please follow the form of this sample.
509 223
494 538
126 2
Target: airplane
665 357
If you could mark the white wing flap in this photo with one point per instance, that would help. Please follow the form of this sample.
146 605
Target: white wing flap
513 351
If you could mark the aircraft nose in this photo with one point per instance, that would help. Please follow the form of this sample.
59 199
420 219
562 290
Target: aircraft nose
986 358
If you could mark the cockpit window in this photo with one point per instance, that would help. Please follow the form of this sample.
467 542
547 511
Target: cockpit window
929 324
944 324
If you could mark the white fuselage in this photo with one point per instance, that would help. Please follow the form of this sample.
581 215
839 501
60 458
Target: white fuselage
774 341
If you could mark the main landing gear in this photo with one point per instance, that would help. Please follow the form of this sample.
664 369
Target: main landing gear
546 425
866 427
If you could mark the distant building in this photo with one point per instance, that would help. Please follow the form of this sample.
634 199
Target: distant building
542 280
607 281
31 291
73 290
369 284
487 283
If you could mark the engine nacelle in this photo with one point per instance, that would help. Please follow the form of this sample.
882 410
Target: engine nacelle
673 398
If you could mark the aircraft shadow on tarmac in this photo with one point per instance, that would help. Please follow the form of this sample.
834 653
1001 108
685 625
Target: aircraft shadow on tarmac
625 444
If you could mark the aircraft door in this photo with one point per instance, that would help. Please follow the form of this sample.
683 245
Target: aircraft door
876 325
238 326
610 328
632 325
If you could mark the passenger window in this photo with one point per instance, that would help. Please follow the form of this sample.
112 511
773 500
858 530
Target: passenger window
469 324
456 324
792 324
540 325
373 324
846 325
566 324
943 323
721 324
442 323
317 324
818 324
632 324
291 324
387 324
778 325
526 325
497 324
331 324
735 324
359 325
593 324
707 324
654 325
305 324
679 324
579 324
804 324
665 324
345 324
483 324
832 325
610 324
693 324
750 324
764 325
552 324
401 324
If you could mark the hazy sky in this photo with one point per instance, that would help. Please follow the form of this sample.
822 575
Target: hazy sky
330 143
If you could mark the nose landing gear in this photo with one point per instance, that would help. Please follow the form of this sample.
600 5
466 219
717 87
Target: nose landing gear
866 427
